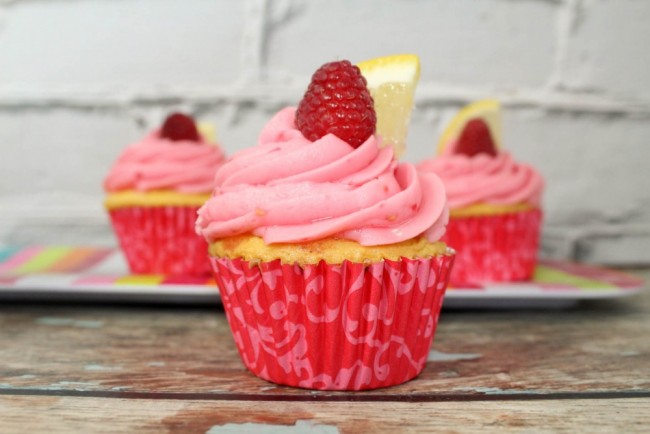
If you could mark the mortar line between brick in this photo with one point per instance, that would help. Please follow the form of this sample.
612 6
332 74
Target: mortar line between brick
253 45
565 21
433 96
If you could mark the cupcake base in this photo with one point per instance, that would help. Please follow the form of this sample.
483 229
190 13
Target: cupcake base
496 248
334 327
161 240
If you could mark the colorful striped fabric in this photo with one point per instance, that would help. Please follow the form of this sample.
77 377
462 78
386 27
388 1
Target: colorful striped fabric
43 267
78 266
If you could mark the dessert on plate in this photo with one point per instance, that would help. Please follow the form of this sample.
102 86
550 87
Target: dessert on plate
326 248
154 190
495 201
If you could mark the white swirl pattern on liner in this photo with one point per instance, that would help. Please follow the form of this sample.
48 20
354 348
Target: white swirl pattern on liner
161 240
334 327
485 244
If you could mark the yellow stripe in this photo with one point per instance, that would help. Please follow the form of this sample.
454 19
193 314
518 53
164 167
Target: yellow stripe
44 260
142 279
552 276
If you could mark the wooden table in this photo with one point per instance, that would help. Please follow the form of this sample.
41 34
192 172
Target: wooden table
90 368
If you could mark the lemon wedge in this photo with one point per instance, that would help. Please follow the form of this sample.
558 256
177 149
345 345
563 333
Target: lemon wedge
391 82
208 131
489 110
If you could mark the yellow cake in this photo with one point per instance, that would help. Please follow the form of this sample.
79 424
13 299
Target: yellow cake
330 250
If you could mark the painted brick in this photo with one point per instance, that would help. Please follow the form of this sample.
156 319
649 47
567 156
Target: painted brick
60 151
238 127
500 43
609 48
616 250
596 166
85 78
120 44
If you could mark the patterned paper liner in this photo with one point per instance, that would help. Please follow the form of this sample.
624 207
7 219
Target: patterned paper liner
334 327
161 240
499 248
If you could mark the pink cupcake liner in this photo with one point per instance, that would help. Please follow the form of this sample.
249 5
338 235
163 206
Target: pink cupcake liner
499 248
334 327
161 240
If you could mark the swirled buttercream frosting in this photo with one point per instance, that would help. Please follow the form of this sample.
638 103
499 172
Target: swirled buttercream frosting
288 189
495 180
157 163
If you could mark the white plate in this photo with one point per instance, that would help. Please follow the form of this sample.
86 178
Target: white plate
100 274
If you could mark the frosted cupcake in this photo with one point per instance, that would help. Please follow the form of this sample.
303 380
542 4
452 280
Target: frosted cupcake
325 248
495 202
154 190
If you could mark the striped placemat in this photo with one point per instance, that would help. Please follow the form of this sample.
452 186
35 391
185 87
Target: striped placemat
85 270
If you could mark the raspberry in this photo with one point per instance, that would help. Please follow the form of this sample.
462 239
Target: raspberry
476 139
337 101
179 127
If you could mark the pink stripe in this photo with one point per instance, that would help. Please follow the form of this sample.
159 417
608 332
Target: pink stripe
94 280
6 280
20 258
467 287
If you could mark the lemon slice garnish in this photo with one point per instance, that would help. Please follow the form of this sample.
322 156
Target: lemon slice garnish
208 131
391 82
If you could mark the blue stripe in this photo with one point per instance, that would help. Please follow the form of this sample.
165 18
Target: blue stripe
8 252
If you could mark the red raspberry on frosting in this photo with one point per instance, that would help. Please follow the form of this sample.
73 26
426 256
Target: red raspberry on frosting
179 126
337 102
476 139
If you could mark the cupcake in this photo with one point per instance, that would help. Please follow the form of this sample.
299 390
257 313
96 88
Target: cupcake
325 248
154 190
495 202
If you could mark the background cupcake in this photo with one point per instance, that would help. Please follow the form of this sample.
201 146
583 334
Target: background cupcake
495 202
325 248
154 190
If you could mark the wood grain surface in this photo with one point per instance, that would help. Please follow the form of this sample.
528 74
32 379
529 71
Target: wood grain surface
85 367
71 415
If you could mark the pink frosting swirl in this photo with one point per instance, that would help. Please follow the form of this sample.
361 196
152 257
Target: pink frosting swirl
288 189
485 179
156 163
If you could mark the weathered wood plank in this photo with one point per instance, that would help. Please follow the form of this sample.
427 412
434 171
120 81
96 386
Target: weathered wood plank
598 346
64 415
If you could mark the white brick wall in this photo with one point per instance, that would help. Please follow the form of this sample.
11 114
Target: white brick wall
609 49
79 79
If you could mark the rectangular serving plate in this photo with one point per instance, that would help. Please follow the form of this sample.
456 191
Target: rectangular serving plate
63 273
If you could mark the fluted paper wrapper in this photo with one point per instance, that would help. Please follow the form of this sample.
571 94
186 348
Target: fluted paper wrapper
161 240
334 327
499 248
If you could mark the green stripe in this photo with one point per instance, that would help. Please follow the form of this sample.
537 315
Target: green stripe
43 260
551 275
